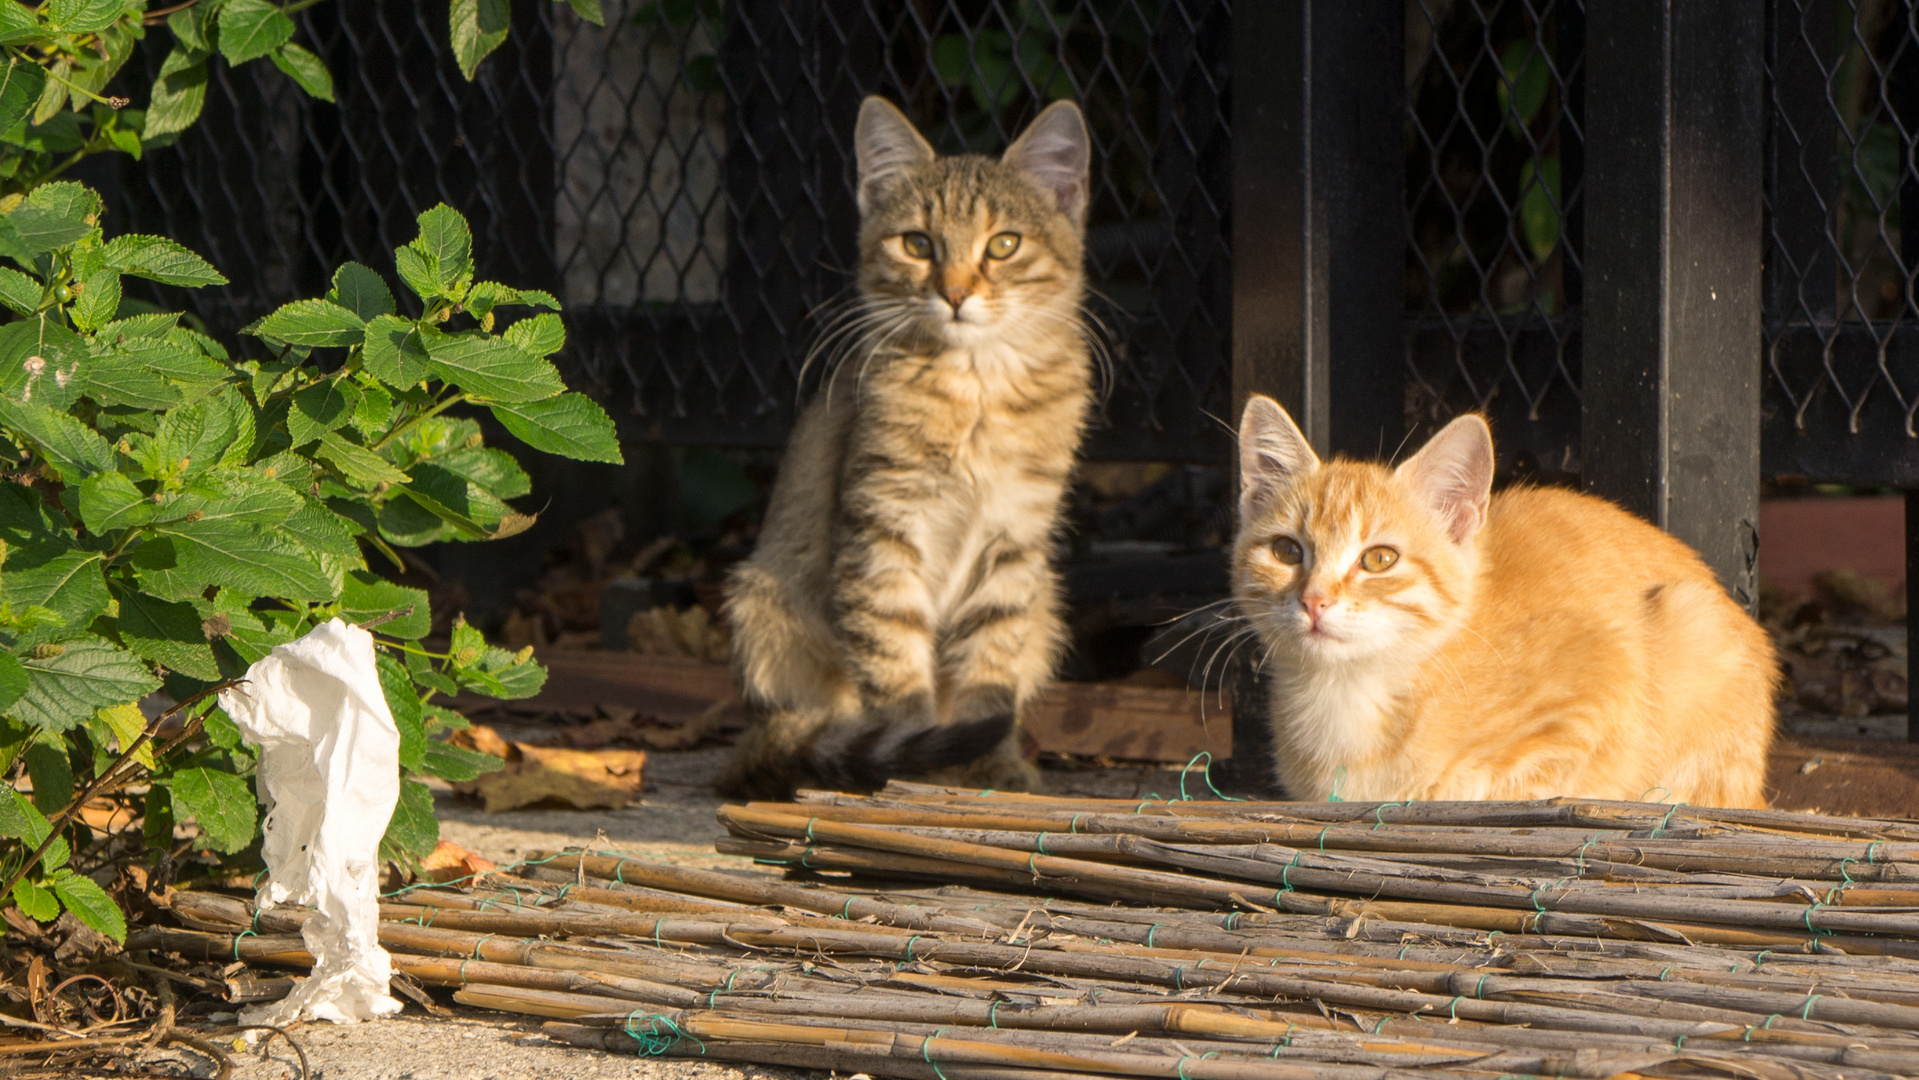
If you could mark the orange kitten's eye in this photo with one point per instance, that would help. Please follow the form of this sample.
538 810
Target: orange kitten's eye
1002 246
1378 559
917 244
1287 550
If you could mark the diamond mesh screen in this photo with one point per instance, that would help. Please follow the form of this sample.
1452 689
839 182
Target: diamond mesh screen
1843 83
1494 151
682 179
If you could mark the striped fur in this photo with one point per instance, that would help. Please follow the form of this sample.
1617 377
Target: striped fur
1524 645
901 607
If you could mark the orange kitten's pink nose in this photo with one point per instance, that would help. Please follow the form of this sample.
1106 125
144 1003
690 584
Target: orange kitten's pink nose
1315 605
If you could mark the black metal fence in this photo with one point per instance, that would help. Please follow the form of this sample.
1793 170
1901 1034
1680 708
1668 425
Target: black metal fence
681 178
1400 209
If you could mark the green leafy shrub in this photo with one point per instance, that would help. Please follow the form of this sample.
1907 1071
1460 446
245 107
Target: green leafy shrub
169 512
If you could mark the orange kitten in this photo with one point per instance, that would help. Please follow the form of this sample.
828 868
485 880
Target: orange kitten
1425 639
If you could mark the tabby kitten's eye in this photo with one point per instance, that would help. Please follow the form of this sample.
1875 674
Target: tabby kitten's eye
1287 550
918 245
1378 559
1002 246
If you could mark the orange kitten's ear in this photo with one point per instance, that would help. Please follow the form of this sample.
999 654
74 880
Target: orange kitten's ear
886 145
1272 452
1055 150
1453 474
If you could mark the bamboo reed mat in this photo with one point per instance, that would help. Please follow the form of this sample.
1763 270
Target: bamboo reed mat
940 934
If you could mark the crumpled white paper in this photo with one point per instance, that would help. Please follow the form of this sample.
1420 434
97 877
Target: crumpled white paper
329 774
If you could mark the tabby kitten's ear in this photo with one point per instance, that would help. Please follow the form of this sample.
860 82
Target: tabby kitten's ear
1055 150
885 144
1272 452
1453 475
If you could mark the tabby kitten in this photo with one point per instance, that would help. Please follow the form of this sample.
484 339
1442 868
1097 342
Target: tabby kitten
901 608
1427 640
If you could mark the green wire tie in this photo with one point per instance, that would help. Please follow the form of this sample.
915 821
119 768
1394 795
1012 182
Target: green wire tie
1322 838
1380 1023
1154 929
463 965
236 941
1382 808
926 1053
1479 991
478 945
909 946
1206 775
1285 1041
1453 1009
1580 856
1667 820
728 988
1151 797
1073 826
1403 950
1041 843
1032 865
992 1016
1760 958
846 909
618 868
1811 929
1232 921
809 830
1285 876
656 1034
1869 847
656 932
1806 1013
1542 889
1339 781
1663 974
1679 1044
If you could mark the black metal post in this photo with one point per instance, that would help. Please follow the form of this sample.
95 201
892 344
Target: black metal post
1675 219
1318 243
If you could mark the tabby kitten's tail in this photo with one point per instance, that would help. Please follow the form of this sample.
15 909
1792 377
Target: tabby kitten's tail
853 753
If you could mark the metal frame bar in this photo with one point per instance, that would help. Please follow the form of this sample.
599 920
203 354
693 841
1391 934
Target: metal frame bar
1318 244
1674 246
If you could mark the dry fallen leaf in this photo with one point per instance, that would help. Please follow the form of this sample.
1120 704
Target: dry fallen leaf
450 862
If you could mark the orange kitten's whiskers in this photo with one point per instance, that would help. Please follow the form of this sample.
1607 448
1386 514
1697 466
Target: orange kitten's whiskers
1429 640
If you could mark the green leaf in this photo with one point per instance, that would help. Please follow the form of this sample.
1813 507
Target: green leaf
83 16
1539 206
447 244
67 581
417 271
20 88
456 763
189 26
135 327
323 532
167 633
357 464
1525 80
313 323
96 300
74 450
109 501
541 335
179 92
91 904
490 368
362 291
52 774
19 292
39 904
157 826
366 596
413 830
26 519
306 69
589 10
232 494
404 704
215 430
478 28
502 674
247 632
570 425
321 408
116 377
20 821
374 413
18 24
250 29
172 359
41 362
157 258
13 680
493 470
454 499
395 353
126 723
88 674
221 802
254 560
409 524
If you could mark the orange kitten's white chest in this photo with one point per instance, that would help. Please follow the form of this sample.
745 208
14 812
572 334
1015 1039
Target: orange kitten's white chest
1334 729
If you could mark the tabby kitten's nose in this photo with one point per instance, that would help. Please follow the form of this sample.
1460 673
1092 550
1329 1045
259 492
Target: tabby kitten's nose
1315 605
956 295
